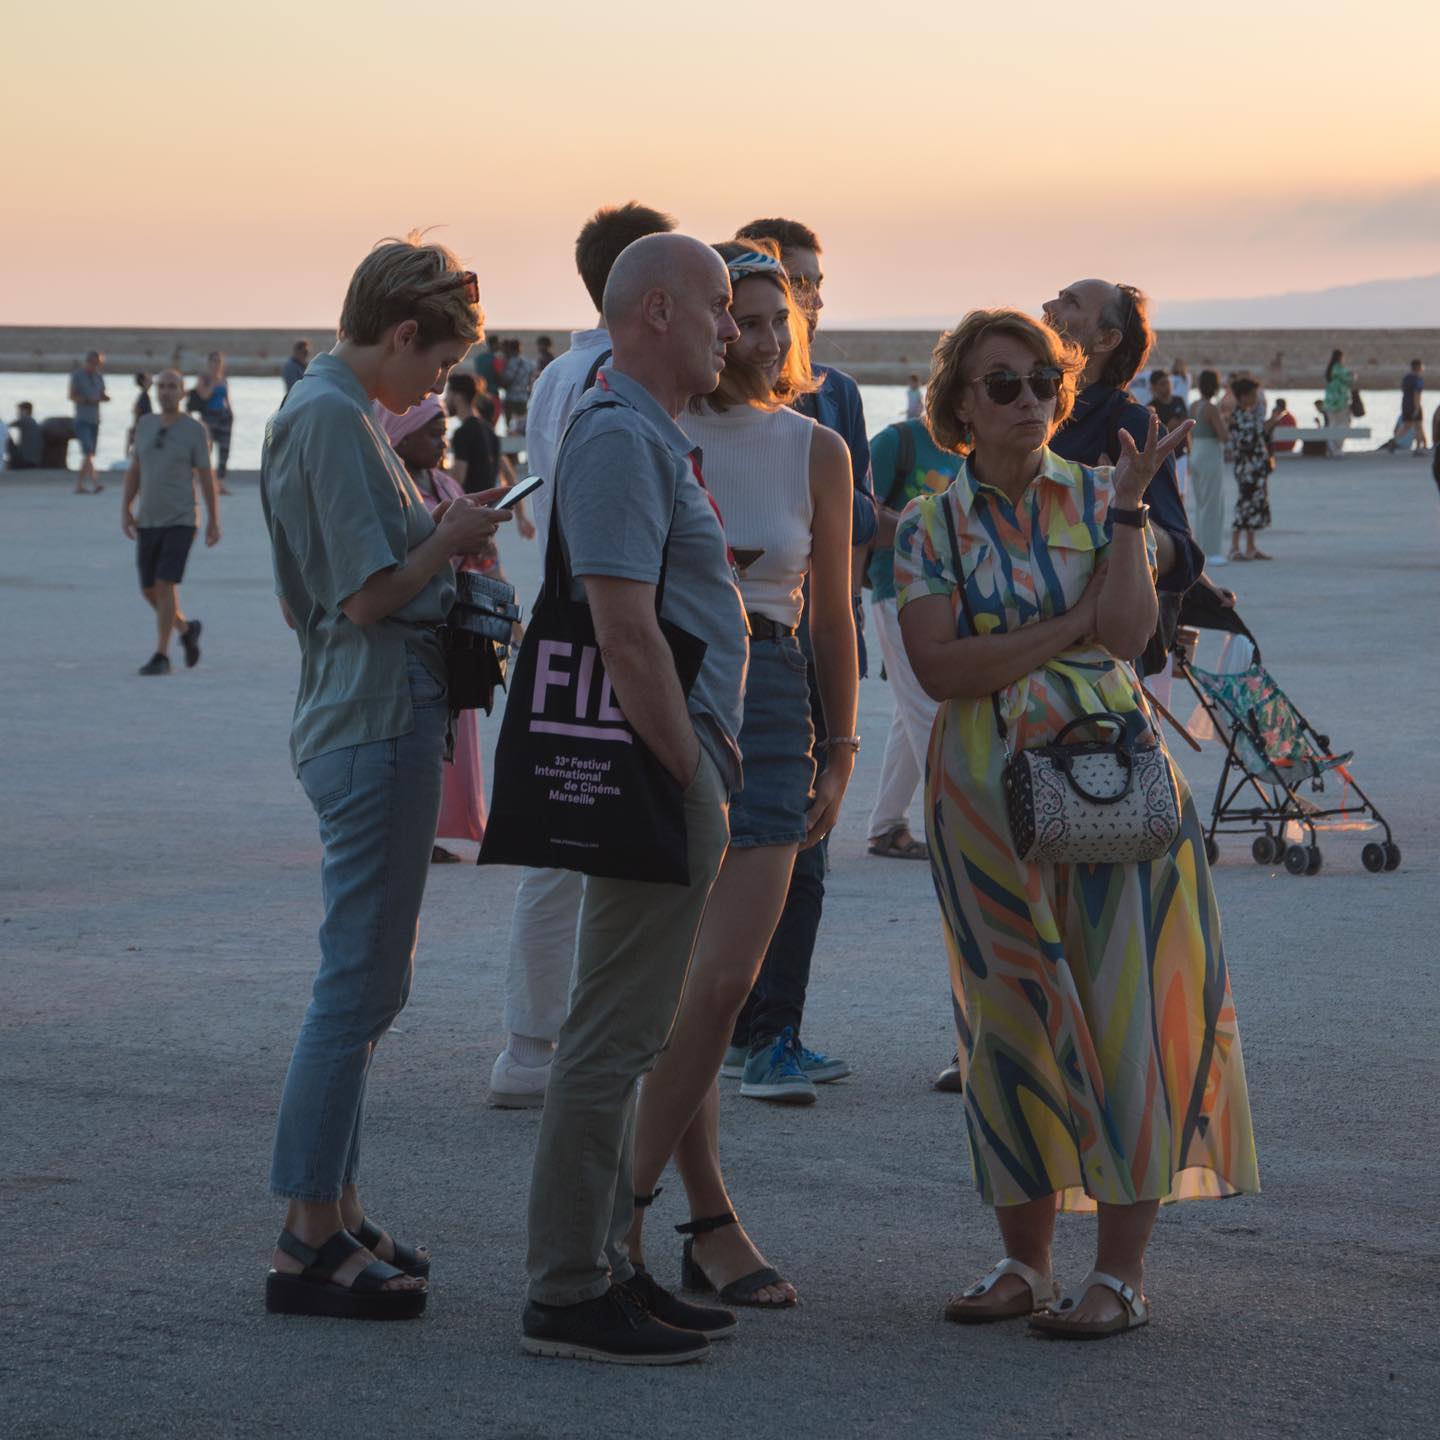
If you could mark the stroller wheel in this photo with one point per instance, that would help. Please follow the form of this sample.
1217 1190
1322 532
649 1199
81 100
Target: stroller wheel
1297 860
1263 849
1312 866
1392 855
1373 858
1212 850
1281 850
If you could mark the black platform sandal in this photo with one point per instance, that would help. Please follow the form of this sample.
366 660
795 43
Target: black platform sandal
407 1258
314 1290
737 1292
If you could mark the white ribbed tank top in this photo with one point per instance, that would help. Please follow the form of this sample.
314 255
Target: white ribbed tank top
756 464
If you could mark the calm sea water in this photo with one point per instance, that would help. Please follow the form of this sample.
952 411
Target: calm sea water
255 398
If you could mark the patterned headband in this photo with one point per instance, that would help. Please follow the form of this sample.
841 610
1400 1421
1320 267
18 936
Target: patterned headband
753 262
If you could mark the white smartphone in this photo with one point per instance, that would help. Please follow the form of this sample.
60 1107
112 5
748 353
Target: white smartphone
518 491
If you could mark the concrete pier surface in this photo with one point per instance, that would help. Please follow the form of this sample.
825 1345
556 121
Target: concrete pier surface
158 905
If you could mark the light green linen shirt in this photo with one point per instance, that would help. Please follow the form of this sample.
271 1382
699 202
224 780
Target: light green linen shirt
340 507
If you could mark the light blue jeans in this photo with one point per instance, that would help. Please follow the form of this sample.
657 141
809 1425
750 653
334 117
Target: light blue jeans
378 806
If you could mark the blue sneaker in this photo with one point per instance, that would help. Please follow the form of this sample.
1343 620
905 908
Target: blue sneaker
772 1072
821 1068
732 1067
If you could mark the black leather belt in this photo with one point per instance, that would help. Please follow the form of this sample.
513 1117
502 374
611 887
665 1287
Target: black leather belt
762 627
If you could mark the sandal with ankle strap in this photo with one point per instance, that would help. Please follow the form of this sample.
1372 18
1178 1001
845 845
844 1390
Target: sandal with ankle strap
1043 1291
407 1258
314 1291
1134 1312
738 1292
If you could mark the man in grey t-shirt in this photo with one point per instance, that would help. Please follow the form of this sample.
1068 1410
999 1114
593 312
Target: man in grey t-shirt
87 394
626 487
171 452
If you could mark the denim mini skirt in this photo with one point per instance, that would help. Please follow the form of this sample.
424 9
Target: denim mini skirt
777 743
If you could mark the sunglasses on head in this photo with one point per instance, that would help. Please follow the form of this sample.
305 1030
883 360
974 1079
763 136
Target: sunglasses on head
1003 386
471 282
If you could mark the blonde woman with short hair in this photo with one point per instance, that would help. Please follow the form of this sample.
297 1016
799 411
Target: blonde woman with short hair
364 578
1098 1042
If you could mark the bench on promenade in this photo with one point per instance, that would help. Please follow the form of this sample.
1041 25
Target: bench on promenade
1315 439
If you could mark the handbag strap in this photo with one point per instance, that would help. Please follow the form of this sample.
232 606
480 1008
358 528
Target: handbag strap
970 614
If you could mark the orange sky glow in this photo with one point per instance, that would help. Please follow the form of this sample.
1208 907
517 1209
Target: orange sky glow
228 165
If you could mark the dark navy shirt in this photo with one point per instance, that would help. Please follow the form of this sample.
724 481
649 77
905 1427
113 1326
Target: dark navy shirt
837 406
1101 412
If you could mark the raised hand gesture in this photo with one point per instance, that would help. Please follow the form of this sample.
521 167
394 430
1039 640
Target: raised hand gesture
1136 468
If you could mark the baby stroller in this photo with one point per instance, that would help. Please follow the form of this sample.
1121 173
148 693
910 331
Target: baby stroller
1272 753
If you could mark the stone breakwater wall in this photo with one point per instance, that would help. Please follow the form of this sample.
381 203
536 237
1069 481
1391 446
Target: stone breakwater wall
875 357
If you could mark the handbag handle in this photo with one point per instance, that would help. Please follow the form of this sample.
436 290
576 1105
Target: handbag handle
1100 717
969 614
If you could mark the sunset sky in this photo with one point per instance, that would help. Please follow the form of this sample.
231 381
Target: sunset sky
228 164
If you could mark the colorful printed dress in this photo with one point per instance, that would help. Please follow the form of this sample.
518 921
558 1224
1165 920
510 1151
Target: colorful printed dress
1097 1034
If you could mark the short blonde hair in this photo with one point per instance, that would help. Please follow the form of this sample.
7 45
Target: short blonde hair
951 362
742 384
410 280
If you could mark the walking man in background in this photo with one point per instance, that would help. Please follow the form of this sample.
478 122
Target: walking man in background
87 395
547 902
1410 429
629 495
171 452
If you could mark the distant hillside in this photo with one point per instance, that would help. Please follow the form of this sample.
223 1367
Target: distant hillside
1410 303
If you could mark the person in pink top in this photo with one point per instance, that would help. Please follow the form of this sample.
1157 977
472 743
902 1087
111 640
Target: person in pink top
419 440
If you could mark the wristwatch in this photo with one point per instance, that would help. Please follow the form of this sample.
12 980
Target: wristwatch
1136 517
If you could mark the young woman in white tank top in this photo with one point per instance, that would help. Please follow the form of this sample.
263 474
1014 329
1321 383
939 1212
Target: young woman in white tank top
782 486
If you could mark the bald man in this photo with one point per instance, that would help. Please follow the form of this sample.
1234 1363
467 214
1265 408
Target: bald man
172 452
1111 325
627 496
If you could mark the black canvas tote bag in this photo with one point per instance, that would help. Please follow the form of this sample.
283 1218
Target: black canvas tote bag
575 787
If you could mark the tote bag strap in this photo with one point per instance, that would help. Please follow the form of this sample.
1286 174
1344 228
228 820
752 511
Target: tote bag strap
558 578
970 614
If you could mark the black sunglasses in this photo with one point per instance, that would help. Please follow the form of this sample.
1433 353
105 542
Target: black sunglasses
1003 386
160 438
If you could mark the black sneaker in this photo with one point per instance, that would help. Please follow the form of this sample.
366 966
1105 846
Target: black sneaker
711 1322
190 639
614 1328
157 664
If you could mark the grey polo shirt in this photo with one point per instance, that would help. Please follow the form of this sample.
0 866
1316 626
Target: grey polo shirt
623 484
341 507
169 456
89 388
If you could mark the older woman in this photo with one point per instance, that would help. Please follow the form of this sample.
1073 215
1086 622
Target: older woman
364 577
1097 1036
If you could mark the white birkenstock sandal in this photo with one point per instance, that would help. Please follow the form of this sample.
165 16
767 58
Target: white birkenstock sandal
1134 1312
1043 1291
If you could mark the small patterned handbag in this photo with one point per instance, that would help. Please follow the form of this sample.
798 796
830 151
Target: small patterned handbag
1091 802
